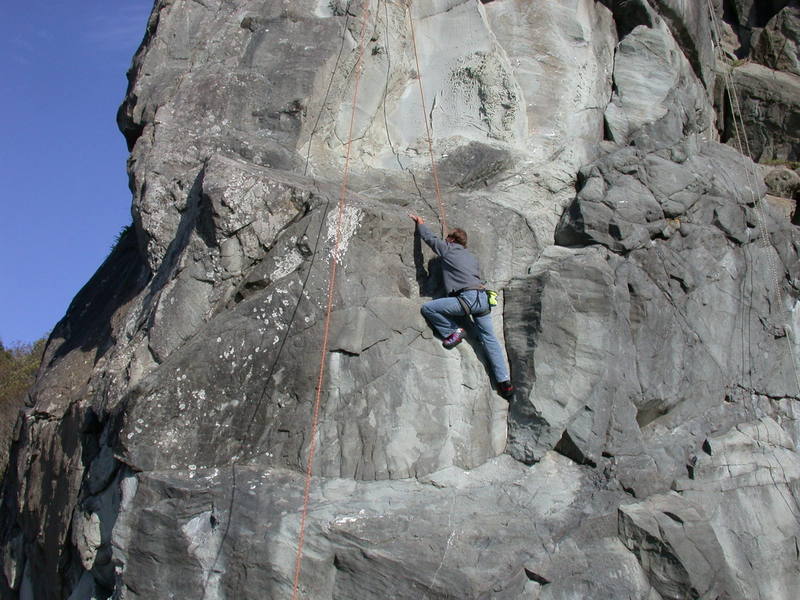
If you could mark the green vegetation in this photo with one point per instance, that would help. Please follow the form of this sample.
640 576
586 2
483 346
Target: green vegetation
18 366
789 164
121 234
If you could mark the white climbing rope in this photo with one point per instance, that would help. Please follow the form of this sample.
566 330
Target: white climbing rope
752 180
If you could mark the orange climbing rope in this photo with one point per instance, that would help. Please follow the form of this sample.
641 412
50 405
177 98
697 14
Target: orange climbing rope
442 216
334 256
332 277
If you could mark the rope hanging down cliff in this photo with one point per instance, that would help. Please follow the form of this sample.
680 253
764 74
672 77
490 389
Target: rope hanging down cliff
442 215
332 277
752 180
328 311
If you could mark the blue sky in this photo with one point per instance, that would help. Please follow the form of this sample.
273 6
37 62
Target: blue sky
63 187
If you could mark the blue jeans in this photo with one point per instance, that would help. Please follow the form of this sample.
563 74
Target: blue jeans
439 312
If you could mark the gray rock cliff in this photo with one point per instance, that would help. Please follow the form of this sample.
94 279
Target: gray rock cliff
649 305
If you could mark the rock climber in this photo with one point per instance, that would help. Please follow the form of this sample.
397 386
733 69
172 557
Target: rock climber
466 295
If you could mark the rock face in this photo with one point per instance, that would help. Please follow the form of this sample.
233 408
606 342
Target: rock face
649 305
758 101
749 17
768 103
778 45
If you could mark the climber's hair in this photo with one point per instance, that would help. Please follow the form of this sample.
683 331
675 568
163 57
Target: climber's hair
459 236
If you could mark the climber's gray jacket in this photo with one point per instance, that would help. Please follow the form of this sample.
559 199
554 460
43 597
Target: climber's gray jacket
460 268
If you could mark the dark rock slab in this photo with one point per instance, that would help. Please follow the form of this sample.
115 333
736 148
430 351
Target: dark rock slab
778 45
767 103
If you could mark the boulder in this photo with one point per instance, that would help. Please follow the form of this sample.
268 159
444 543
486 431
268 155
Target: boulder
783 182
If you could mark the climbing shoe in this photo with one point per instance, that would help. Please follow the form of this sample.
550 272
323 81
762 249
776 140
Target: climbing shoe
505 389
454 339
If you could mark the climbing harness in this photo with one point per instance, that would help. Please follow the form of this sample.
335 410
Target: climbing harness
469 309
335 253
